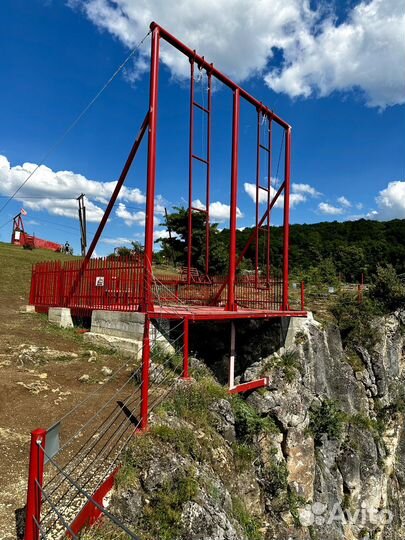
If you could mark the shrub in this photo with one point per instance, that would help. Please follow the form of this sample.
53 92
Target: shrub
249 524
192 402
182 439
163 513
248 421
355 320
387 289
326 419
288 363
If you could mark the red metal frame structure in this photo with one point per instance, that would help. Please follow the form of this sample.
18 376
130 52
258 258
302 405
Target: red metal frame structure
132 285
20 238
185 297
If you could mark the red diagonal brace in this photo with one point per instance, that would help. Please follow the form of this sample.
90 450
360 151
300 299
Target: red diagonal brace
111 203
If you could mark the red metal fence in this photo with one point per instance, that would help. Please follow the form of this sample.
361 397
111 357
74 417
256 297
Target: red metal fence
117 284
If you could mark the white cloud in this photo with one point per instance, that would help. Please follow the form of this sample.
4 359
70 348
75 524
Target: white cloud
362 52
391 202
305 189
119 241
298 196
344 202
56 191
219 211
327 208
320 55
130 218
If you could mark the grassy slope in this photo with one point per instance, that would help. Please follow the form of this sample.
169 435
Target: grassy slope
15 268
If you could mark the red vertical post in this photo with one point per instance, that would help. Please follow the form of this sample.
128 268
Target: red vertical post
208 187
151 170
35 479
257 201
145 373
186 350
231 305
190 176
286 222
269 171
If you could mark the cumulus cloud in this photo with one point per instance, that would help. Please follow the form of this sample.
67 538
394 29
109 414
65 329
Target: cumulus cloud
219 211
299 194
305 189
130 218
391 202
56 191
344 202
326 208
362 52
319 54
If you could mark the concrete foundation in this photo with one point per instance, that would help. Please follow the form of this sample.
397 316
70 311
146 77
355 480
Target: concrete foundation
291 327
60 316
125 345
124 331
120 324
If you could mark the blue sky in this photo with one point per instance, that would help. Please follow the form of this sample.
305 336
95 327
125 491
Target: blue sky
335 73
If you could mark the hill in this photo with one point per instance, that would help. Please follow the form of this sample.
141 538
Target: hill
347 248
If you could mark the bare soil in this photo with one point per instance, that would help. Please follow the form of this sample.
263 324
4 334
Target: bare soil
36 389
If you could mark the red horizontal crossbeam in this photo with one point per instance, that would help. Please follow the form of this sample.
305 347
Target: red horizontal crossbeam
248 386
203 64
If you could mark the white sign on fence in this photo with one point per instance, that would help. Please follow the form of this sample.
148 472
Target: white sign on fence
100 281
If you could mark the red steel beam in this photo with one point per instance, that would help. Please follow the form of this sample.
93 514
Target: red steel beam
286 223
151 174
208 179
231 304
190 176
202 63
248 386
111 203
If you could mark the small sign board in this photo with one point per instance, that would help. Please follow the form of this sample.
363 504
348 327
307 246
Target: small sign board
100 281
52 441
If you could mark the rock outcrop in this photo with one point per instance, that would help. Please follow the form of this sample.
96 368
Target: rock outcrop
320 454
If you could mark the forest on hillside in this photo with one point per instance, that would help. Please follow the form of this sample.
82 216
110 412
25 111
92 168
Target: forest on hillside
318 252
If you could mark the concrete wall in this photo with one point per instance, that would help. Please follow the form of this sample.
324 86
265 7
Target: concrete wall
121 324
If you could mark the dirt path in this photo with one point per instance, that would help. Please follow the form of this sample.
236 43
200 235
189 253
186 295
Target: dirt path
40 367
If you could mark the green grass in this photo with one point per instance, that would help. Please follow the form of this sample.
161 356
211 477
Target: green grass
16 265
249 524
249 423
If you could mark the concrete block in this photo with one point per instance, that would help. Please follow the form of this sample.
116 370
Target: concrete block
120 324
292 326
27 309
125 345
60 316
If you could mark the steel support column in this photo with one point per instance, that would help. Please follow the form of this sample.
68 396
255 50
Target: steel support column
35 480
151 174
231 304
190 177
286 221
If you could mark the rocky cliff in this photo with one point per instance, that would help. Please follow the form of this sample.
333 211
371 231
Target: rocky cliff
318 455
